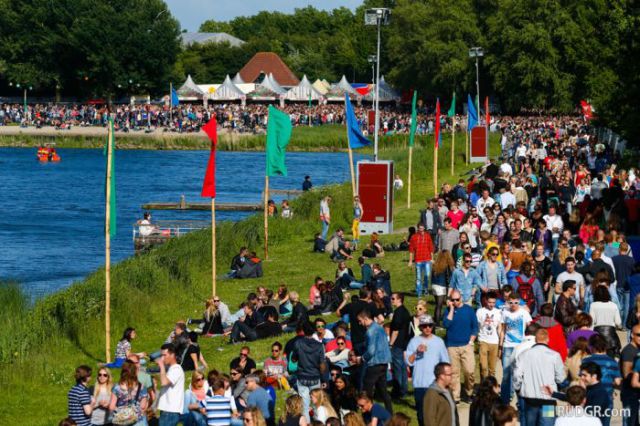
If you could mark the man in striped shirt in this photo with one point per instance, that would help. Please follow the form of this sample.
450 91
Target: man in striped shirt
220 409
80 400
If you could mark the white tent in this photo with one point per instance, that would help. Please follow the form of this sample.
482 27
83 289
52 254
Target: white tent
189 91
237 79
227 92
321 87
303 91
337 91
273 84
387 93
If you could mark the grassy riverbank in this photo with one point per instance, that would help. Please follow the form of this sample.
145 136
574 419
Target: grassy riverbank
324 138
40 345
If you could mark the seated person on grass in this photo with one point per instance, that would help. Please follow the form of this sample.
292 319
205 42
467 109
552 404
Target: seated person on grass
245 327
299 313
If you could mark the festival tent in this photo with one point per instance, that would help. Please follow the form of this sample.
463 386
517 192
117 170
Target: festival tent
337 91
266 91
321 87
228 91
387 93
189 91
273 83
303 91
237 79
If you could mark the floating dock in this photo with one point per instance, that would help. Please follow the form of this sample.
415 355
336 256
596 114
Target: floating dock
249 207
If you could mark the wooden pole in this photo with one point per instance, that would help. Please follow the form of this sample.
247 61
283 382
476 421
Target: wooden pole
466 144
353 174
213 247
409 177
266 217
453 145
107 254
170 103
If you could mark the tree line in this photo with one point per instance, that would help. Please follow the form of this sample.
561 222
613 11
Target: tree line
542 55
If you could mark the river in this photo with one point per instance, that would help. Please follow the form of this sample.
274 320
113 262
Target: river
51 215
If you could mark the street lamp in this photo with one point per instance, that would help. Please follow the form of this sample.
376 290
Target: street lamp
477 52
25 87
378 16
372 60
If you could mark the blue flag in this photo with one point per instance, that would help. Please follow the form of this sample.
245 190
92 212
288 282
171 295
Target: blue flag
174 97
355 136
472 114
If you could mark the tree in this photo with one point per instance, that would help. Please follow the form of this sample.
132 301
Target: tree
428 44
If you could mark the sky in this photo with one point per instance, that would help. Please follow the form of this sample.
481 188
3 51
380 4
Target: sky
192 13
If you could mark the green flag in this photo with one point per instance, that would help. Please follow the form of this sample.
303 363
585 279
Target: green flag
452 110
414 119
278 135
109 149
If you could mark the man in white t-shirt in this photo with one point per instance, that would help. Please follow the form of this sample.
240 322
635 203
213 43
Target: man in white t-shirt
171 401
489 323
507 198
514 322
574 413
484 201
555 224
571 274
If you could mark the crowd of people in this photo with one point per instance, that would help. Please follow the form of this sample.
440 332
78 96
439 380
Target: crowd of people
531 276
188 118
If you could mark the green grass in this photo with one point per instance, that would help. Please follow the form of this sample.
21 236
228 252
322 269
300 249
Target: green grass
324 138
40 345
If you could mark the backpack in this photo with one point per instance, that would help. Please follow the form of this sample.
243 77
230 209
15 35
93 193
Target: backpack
525 290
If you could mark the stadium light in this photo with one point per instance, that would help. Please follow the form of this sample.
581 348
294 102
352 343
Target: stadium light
477 52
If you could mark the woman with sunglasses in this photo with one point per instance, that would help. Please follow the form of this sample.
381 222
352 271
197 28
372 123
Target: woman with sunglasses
195 413
102 396
253 417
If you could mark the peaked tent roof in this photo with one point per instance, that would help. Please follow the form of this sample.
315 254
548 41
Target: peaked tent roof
237 79
189 90
320 86
337 91
227 91
268 63
274 84
303 91
387 93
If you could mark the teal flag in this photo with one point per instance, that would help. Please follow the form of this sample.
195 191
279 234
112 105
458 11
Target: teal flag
452 110
278 135
109 149
414 119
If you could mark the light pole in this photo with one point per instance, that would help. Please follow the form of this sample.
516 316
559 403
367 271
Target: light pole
372 61
379 17
25 87
477 52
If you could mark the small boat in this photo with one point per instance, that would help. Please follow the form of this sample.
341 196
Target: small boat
48 154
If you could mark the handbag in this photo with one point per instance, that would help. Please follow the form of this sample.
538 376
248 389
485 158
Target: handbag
128 414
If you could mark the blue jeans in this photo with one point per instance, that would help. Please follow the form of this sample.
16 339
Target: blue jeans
423 276
623 298
325 229
506 388
356 285
399 369
418 396
304 392
168 419
539 416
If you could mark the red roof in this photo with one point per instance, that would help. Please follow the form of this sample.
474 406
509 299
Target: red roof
268 62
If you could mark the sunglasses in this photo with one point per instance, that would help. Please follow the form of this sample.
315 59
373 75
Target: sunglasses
455 300
514 303
103 375
199 379
467 261
235 373
636 334
247 420
243 354
275 350
320 327
216 300
342 343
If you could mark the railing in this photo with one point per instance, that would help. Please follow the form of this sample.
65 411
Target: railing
164 229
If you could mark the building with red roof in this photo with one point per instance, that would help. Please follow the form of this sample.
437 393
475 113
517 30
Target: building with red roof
268 63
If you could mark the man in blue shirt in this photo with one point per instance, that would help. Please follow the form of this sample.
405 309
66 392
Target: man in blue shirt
462 329
258 397
423 353
608 366
375 359
466 280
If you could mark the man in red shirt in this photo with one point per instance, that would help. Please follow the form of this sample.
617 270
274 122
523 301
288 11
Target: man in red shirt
420 250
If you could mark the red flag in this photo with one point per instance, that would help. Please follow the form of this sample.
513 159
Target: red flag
438 123
209 185
587 110
486 111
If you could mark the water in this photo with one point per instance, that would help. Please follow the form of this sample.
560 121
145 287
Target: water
51 215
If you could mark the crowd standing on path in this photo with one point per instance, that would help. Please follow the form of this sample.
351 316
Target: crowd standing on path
527 263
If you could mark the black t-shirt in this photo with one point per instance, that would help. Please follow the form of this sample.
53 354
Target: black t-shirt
401 322
187 361
250 365
628 354
268 329
358 332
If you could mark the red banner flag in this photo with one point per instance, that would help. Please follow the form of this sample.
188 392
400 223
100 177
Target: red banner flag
209 185
486 111
438 123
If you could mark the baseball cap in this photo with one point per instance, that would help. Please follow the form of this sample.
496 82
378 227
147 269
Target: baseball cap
425 320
